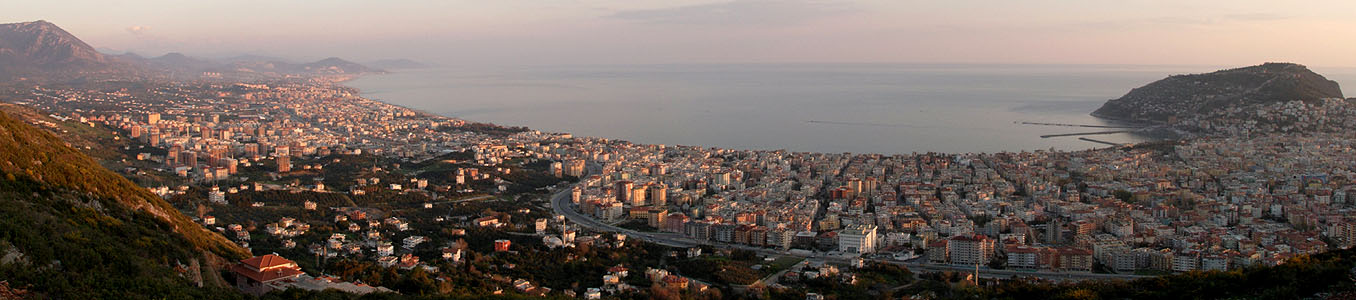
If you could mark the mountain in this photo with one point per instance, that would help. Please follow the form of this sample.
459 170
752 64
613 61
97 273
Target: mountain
335 65
1185 96
42 43
42 51
69 228
183 65
396 64
328 66
42 46
251 58
109 51
130 57
179 59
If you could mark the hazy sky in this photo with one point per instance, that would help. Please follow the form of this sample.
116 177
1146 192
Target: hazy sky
1196 32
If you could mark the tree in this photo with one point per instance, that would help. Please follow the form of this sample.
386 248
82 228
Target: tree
1124 195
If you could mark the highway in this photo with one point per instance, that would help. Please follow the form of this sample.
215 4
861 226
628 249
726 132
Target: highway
560 203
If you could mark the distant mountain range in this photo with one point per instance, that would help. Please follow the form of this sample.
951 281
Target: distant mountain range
44 50
1184 96
397 64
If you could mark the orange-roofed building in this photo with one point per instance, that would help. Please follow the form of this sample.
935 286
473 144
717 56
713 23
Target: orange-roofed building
254 275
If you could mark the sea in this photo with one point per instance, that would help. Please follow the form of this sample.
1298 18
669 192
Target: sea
858 108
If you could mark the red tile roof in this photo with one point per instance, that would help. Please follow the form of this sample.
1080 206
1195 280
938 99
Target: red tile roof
266 268
266 261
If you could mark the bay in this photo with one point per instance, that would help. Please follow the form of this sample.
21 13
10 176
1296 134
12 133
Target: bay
860 108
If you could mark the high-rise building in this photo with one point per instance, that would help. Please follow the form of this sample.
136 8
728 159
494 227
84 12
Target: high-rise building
215 154
638 195
284 164
855 185
188 158
655 217
573 167
231 165
152 118
970 249
858 239
557 169
658 194
622 191
1054 232
284 158
251 150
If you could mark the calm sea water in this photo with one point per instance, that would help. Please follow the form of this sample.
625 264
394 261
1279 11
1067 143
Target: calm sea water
798 107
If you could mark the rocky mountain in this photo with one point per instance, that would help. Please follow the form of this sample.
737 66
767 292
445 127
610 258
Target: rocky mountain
1185 96
42 46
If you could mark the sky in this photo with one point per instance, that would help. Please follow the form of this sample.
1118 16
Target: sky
551 32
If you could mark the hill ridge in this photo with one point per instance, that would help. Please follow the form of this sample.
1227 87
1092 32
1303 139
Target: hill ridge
1184 96
42 157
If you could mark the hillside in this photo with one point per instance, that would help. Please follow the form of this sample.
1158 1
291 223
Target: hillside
73 229
1186 96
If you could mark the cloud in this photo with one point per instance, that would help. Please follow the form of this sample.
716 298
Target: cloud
738 12
137 30
1256 17
1178 21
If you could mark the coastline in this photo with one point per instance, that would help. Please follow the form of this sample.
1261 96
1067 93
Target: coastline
359 93
1152 138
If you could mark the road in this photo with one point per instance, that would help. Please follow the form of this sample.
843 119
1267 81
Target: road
985 272
560 203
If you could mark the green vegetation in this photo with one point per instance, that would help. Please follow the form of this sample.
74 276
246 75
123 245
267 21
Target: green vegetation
638 225
737 268
72 229
66 244
875 281
31 153
1124 196
109 146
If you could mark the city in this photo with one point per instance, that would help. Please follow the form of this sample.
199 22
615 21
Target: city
1207 204
676 150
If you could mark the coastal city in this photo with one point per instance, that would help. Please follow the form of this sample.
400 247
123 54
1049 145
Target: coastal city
679 149
265 164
